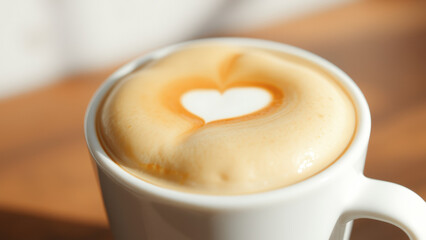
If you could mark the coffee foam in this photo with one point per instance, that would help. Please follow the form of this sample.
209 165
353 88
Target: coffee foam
300 125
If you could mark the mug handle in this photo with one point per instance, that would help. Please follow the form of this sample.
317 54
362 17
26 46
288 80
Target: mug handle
387 202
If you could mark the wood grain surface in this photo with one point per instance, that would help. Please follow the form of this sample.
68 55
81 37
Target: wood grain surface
48 187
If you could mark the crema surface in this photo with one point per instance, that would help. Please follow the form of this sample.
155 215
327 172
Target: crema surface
307 124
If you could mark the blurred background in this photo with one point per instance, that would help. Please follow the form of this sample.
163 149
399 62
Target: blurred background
54 54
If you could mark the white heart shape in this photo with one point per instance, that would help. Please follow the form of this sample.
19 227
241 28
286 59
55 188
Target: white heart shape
211 105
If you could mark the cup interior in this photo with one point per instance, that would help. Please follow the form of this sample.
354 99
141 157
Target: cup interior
140 187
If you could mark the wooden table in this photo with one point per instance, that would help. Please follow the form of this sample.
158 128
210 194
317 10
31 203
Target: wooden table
48 188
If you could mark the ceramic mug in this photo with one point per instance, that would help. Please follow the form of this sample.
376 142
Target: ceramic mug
320 207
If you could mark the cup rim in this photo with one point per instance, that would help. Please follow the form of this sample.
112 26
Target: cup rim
142 188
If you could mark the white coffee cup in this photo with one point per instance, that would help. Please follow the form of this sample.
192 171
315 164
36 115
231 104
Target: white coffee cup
321 207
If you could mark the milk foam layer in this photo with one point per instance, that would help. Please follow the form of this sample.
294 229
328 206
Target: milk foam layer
307 123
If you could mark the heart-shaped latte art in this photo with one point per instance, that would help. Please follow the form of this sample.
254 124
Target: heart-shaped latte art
211 105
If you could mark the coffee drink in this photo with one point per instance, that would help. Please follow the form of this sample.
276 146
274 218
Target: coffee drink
223 119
